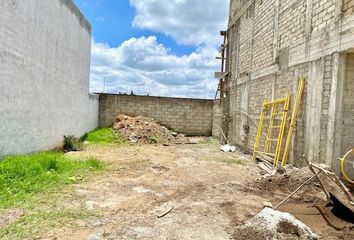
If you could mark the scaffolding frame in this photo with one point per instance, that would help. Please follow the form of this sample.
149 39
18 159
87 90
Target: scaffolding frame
223 74
270 140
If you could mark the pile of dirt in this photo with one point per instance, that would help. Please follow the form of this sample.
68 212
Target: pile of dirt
272 224
145 131
288 181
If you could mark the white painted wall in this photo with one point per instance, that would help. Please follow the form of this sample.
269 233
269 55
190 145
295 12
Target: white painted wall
44 75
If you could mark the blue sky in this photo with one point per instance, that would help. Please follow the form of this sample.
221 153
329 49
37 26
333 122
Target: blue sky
162 48
111 22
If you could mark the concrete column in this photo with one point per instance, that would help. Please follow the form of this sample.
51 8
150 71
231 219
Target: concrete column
308 21
313 110
238 44
276 29
335 111
275 42
252 32
308 26
338 11
244 119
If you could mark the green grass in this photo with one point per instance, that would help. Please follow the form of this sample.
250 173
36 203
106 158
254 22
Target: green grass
104 136
22 177
35 224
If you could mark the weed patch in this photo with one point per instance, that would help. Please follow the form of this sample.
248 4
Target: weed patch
72 143
23 176
32 225
103 136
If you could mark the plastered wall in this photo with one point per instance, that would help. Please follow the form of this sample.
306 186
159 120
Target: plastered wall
44 75
189 116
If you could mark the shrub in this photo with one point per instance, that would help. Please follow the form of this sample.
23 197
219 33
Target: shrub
72 143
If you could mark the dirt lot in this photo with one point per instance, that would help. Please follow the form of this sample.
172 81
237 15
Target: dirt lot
209 192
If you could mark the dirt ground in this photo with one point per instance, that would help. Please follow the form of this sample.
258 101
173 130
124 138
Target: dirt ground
209 192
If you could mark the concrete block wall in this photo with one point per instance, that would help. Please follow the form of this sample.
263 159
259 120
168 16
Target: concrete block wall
348 7
217 119
273 43
263 34
189 116
323 13
44 75
291 28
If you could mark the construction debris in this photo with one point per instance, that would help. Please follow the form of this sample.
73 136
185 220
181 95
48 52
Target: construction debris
335 190
269 169
272 224
228 148
145 131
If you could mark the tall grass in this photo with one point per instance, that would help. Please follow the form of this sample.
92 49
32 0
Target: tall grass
104 136
23 176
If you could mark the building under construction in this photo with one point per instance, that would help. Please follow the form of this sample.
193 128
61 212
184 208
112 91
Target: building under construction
270 45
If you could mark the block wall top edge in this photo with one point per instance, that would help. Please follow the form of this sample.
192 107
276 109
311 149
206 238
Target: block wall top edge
155 97
76 11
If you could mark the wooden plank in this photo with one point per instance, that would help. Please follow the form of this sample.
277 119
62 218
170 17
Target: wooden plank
265 167
221 75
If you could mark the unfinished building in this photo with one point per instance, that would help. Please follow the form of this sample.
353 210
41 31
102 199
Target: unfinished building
269 45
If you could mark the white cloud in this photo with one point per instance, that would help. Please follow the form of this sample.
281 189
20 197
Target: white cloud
192 22
145 66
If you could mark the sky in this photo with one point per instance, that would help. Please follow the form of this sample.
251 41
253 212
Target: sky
155 47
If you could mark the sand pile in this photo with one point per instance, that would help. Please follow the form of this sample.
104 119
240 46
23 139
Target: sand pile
145 130
272 224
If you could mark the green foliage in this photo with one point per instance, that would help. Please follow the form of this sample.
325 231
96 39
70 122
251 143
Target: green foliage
174 130
152 139
84 137
72 143
23 176
104 136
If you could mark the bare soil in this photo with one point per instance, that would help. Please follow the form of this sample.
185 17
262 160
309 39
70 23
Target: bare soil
9 216
210 193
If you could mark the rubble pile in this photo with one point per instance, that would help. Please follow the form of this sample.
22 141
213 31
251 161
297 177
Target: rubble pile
145 130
